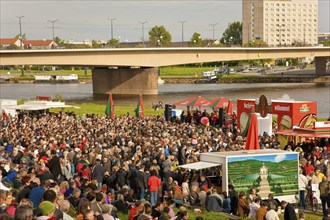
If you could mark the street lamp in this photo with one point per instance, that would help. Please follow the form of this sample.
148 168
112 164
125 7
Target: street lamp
53 22
111 21
182 22
143 23
213 25
231 41
20 29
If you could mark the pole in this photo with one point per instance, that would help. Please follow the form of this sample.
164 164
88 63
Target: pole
142 23
20 29
111 21
182 33
53 22
213 25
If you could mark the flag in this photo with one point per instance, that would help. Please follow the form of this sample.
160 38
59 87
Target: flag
139 111
110 110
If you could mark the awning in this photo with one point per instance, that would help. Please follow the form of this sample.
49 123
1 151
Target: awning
199 165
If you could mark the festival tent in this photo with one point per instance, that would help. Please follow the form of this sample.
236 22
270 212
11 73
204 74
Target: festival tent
252 141
306 132
192 102
221 103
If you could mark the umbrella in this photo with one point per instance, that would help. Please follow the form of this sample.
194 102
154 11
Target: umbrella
192 102
221 103
252 142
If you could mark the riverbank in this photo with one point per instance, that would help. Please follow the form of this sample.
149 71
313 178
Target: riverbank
232 78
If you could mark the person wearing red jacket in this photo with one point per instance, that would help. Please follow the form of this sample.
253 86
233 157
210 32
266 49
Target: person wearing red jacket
308 167
154 184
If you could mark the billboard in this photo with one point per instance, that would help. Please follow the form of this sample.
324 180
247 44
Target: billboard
273 173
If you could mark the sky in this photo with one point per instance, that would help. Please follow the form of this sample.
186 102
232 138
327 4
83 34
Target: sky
82 20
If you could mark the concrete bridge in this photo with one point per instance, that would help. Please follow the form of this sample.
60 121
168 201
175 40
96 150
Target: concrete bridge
135 70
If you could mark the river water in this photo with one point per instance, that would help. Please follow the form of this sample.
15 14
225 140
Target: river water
171 93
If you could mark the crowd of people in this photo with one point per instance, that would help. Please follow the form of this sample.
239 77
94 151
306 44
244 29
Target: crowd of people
66 166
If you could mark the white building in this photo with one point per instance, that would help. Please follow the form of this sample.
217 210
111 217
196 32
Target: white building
280 23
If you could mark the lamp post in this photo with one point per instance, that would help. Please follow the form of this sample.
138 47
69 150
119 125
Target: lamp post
143 23
231 41
111 21
20 29
213 25
53 22
182 33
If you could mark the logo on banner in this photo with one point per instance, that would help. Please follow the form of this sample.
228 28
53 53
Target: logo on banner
282 108
304 108
263 106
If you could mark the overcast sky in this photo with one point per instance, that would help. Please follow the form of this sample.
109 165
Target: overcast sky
81 20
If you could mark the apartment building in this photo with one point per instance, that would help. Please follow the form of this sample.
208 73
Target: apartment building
280 23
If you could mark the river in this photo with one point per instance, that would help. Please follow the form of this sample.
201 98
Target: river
171 93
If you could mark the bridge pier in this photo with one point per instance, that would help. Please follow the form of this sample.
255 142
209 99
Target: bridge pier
125 81
320 65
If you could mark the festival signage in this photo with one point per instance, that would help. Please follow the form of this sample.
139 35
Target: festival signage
265 173
244 107
293 113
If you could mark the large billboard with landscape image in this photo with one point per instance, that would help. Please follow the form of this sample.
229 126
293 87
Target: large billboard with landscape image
277 174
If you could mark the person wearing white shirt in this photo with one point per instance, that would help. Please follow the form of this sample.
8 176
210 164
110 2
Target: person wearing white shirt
302 183
255 205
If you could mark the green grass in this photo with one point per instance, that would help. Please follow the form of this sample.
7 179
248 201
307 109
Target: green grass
214 215
80 73
183 71
90 108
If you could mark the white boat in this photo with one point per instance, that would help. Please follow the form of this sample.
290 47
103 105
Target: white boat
160 81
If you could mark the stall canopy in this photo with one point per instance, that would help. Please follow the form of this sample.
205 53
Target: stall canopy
199 165
192 102
306 132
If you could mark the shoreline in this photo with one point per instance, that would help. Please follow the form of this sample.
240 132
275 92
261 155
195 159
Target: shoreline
193 80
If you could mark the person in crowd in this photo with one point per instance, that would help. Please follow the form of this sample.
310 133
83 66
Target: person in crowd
289 211
255 205
226 202
262 211
165 214
47 210
24 212
154 184
302 184
324 194
98 172
157 210
120 204
233 199
243 207
271 213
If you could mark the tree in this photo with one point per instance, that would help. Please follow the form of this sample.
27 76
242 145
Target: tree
233 34
23 37
256 43
325 42
113 43
196 40
96 44
159 36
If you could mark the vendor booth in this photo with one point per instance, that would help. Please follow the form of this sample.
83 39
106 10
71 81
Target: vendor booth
289 114
268 170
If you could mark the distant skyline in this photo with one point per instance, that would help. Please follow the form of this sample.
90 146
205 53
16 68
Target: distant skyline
82 20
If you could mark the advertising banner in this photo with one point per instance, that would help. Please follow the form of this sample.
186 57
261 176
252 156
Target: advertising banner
243 111
293 113
272 173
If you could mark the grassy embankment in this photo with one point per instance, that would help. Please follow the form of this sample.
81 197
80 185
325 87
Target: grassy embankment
214 215
175 71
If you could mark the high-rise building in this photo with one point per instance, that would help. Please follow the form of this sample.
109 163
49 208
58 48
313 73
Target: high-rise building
280 23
